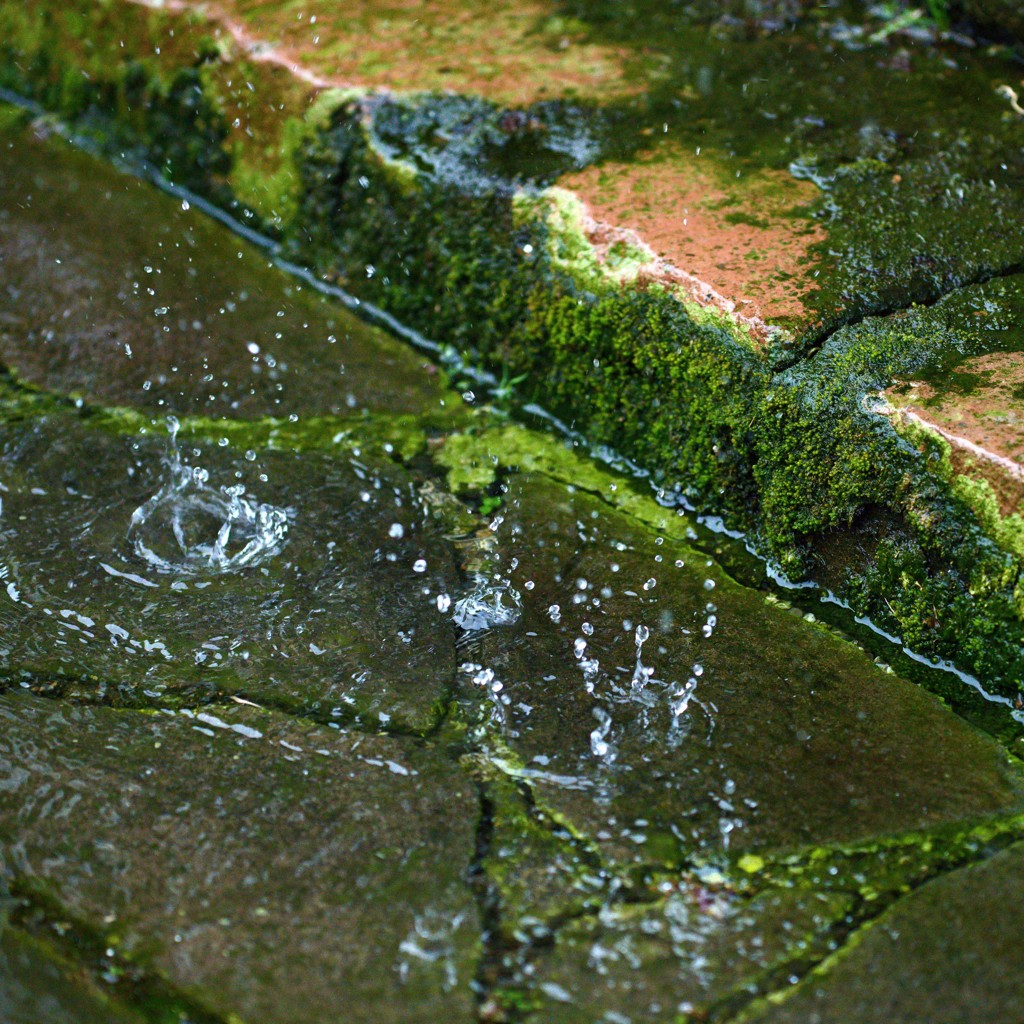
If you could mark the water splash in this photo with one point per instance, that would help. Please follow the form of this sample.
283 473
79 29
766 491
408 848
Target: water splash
488 604
189 526
429 947
600 745
642 674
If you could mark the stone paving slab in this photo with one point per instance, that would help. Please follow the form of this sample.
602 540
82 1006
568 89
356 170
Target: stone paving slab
950 952
124 296
337 615
633 694
163 833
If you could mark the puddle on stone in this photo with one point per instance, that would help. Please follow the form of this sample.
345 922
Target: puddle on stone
668 713
122 294
129 580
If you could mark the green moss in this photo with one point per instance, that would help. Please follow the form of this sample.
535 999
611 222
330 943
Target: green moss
975 493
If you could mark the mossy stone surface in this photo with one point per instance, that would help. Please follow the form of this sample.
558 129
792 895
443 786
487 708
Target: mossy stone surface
949 952
660 752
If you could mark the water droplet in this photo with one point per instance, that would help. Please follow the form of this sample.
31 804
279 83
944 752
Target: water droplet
189 526
599 744
489 604
709 584
397 530
650 584
420 565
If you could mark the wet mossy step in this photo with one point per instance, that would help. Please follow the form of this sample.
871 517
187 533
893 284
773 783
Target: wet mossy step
404 753
634 213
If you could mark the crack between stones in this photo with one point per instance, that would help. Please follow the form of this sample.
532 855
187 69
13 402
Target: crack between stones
57 691
143 989
733 1007
489 967
798 358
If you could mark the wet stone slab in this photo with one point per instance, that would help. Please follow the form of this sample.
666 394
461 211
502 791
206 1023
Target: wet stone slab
164 833
124 295
307 580
948 953
666 713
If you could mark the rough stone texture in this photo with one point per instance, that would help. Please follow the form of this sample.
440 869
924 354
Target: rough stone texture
846 753
366 905
519 53
741 245
950 953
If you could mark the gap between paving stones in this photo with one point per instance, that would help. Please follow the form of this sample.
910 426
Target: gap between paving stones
865 912
807 354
